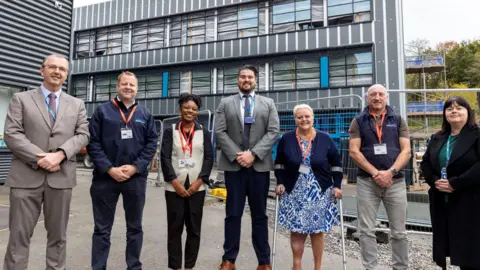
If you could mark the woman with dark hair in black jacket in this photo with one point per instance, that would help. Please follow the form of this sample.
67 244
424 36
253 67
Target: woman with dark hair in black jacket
451 166
187 160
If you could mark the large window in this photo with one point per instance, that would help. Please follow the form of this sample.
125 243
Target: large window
295 74
348 11
150 85
349 68
196 81
112 40
80 87
291 15
105 87
148 35
192 28
85 42
241 21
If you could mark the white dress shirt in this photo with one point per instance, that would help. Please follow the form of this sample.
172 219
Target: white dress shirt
242 104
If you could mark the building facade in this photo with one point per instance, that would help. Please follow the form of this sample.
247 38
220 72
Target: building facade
303 49
29 30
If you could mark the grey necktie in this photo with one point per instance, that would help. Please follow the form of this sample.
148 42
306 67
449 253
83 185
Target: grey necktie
52 107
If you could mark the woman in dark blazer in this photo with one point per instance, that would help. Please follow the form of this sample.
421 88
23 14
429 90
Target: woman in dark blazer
451 166
308 169
187 160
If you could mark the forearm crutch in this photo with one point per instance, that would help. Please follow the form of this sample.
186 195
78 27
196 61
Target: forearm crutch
275 232
343 235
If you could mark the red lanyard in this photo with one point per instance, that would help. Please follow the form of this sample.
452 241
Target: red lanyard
308 147
122 114
188 139
377 127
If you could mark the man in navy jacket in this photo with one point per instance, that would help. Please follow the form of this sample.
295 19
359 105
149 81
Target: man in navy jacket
122 144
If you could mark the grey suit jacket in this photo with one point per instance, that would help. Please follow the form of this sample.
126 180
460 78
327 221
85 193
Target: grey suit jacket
28 132
229 132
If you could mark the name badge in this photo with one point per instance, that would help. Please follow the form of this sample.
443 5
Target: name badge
249 120
380 149
304 169
126 133
444 173
186 162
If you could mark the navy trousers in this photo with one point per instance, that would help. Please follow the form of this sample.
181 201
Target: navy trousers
241 184
105 194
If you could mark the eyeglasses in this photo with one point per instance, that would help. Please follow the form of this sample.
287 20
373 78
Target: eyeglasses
53 68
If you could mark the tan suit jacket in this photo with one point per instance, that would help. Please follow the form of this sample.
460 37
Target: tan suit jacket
28 132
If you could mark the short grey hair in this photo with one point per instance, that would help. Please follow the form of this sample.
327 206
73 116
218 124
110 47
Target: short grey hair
302 106
375 86
53 55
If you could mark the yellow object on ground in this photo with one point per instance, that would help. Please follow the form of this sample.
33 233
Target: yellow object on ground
219 192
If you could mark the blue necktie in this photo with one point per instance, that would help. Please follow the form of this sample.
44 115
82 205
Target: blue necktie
246 127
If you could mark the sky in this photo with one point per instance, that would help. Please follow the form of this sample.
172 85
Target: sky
434 20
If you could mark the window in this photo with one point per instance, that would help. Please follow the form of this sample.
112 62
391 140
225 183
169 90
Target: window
84 44
80 88
148 35
348 11
150 85
295 74
242 21
291 15
192 28
105 87
112 40
350 68
196 81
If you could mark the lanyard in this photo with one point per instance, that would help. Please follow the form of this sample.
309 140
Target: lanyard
50 110
188 140
252 103
379 128
308 147
123 115
448 150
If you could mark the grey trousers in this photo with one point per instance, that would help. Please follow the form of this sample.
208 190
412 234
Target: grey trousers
394 198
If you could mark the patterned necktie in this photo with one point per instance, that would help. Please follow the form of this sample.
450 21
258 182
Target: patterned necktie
246 127
53 107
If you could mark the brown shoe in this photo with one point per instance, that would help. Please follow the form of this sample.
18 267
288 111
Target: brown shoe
227 265
264 267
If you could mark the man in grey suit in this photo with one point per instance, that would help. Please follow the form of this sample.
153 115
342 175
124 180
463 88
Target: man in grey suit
45 128
246 128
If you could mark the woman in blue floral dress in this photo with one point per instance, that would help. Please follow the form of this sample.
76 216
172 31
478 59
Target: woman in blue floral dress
309 175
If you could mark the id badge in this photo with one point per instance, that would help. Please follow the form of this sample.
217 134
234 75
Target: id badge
380 149
444 173
249 120
304 169
126 133
186 162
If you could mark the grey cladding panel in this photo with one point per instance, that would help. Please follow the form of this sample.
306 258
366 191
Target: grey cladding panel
149 58
228 48
244 45
178 54
302 45
138 10
271 43
181 7
104 63
211 51
136 59
322 38
188 56
236 48
254 45
333 36
392 46
355 33
203 4
114 8
164 56
344 35
312 39
367 32
263 44
203 51
125 11
291 41
89 16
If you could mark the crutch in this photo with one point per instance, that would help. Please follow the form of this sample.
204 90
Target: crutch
275 232
343 235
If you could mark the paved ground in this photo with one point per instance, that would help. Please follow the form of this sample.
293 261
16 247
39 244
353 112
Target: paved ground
154 254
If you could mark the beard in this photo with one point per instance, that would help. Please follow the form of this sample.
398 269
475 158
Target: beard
249 90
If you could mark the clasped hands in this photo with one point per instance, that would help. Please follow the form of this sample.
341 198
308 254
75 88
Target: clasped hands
122 173
50 161
245 159
444 186
182 191
383 178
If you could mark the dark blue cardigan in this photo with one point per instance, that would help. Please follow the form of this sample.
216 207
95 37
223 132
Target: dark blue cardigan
325 161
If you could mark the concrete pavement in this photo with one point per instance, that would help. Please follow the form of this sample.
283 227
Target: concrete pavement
154 254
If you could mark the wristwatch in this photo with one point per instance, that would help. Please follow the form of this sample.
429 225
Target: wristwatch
394 171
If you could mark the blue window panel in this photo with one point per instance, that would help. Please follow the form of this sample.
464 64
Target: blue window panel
250 23
302 15
324 72
247 14
283 18
279 9
165 85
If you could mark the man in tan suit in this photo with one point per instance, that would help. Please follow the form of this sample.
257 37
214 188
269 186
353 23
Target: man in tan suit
45 128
